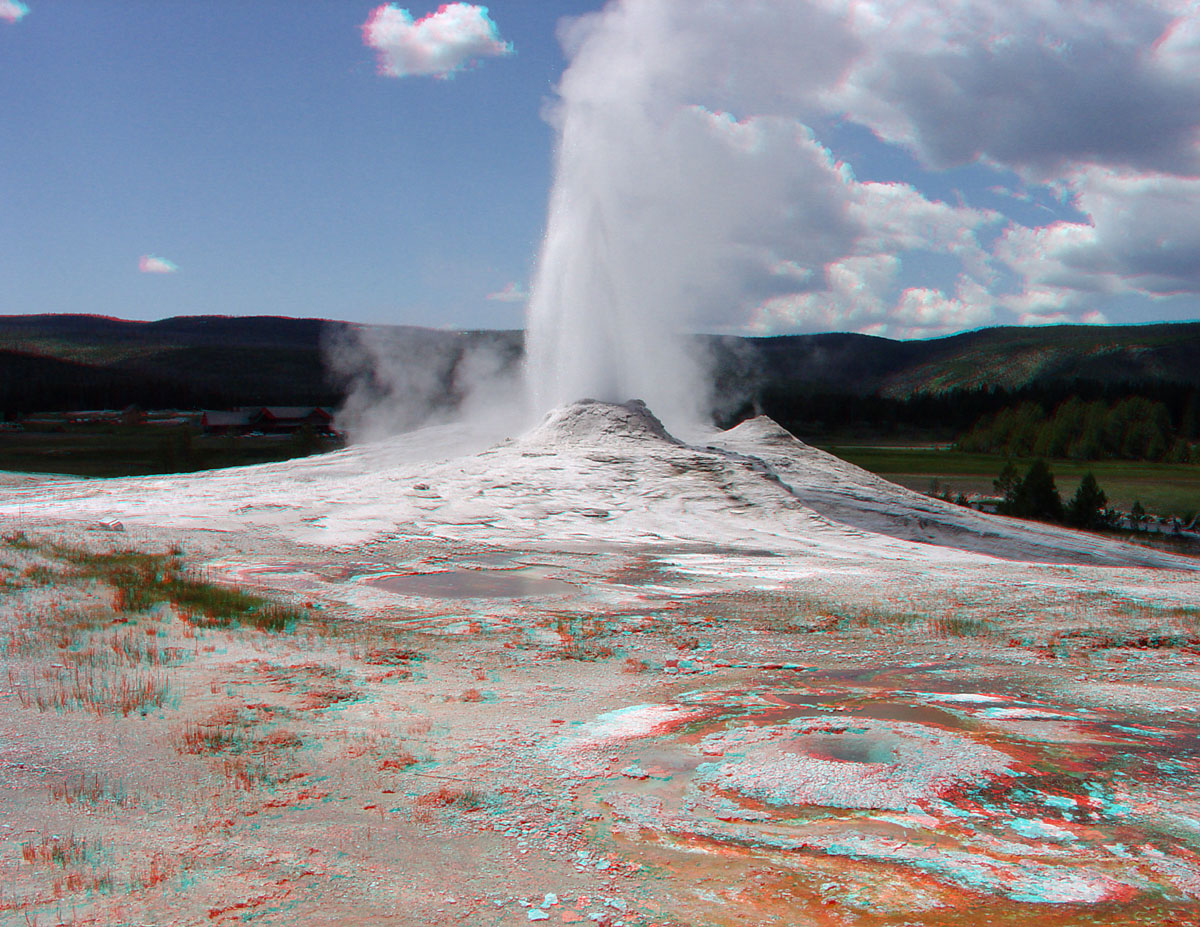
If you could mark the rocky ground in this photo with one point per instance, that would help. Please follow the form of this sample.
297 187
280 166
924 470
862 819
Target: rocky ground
844 726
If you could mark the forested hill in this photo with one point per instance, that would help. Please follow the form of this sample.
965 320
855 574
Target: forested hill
992 358
62 362
55 362
837 383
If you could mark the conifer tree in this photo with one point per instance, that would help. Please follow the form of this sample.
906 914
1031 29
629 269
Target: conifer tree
1007 484
1087 508
1037 496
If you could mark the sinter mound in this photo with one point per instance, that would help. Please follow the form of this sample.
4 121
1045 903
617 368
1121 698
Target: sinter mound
590 421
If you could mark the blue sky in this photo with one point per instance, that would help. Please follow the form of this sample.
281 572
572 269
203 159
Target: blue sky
255 146
256 153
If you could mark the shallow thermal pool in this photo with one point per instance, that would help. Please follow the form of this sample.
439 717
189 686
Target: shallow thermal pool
469 584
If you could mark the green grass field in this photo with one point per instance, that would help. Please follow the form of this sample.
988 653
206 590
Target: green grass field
1163 489
136 451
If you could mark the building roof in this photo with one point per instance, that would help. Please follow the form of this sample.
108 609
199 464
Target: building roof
295 412
226 418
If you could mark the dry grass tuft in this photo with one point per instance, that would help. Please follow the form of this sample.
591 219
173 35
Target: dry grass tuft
391 656
64 689
53 850
92 789
141 580
461 799
398 759
959 626
589 651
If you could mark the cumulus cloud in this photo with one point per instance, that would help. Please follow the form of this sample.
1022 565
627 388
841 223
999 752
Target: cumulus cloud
1043 318
1036 85
852 298
921 312
12 10
150 264
512 293
1101 105
440 44
1141 237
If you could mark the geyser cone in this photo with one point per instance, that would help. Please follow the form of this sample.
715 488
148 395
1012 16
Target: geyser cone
592 421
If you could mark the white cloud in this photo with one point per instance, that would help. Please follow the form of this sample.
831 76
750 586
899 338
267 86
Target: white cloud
12 10
852 299
150 264
512 293
858 297
439 44
855 291
921 312
1044 318
1147 229
1035 85
1142 237
898 217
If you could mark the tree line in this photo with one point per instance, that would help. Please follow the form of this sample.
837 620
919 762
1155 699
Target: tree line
1133 428
964 412
31 383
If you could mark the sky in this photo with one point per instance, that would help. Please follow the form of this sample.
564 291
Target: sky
907 168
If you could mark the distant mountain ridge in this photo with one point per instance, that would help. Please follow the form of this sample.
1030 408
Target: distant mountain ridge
1009 358
79 361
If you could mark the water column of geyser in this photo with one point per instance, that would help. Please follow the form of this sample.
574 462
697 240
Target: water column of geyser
604 319
687 190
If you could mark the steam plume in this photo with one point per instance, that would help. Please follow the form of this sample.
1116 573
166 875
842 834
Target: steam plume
666 209
397 379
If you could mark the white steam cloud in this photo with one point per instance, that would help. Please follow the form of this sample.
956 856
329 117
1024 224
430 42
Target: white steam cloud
398 379
440 44
697 186
684 196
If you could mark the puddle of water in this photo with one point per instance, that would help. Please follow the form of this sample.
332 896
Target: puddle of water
917 714
846 748
805 699
469 584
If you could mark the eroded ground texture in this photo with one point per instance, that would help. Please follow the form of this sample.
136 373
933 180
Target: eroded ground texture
589 675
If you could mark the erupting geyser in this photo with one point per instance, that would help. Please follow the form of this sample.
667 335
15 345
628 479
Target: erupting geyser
597 327
687 191
605 313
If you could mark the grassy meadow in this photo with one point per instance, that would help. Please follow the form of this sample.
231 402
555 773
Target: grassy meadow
1162 488
108 451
